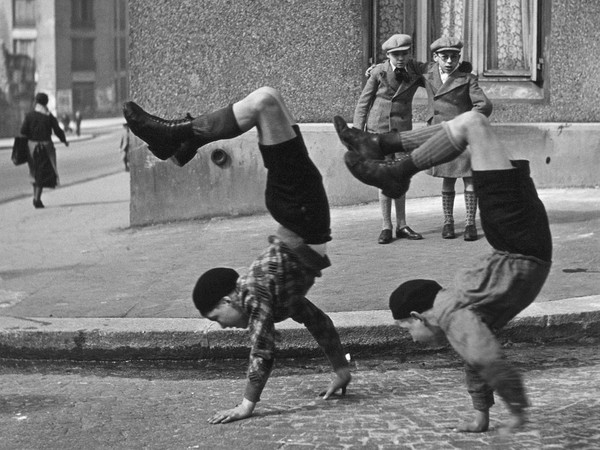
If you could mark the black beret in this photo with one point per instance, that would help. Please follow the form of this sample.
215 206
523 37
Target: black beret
414 295
212 286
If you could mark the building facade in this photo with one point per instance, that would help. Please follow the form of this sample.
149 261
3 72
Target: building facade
76 52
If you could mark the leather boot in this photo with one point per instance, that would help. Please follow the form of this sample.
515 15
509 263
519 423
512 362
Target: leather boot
162 136
365 144
186 151
391 176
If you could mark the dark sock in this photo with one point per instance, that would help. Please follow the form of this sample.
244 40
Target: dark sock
220 124
214 126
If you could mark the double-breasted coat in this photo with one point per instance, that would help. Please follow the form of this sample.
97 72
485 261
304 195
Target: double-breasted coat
386 104
460 93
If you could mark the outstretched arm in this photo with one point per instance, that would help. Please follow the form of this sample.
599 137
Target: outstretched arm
58 130
481 103
321 327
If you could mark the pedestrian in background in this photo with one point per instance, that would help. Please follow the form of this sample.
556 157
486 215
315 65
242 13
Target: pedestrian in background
385 104
451 92
66 122
124 146
37 128
78 119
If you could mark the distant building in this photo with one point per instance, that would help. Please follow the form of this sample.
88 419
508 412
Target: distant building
77 50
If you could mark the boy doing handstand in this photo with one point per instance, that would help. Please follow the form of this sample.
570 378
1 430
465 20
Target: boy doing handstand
275 286
486 297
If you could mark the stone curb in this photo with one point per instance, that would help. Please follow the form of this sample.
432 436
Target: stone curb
568 320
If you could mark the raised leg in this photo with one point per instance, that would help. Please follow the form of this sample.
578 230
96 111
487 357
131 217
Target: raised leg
448 140
263 108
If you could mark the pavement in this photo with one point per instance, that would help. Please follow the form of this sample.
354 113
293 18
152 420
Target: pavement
392 403
77 282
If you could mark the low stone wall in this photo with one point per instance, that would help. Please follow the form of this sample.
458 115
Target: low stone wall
561 155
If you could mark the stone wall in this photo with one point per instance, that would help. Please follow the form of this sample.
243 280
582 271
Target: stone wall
560 156
199 55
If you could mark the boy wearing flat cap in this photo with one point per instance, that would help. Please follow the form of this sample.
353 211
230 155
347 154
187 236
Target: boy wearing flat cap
482 299
276 283
385 104
452 91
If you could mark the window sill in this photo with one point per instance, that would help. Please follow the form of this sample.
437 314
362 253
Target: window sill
501 92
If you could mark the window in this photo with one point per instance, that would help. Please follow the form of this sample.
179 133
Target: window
83 97
24 47
82 13
500 36
122 15
83 54
24 13
120 48
121 89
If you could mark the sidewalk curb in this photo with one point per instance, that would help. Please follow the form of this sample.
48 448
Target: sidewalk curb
7 144
568 320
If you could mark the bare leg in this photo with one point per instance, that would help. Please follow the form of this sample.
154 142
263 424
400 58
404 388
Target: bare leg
265 110
487 152
37 196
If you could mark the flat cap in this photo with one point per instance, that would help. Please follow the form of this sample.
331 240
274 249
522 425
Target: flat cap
447 44
397 42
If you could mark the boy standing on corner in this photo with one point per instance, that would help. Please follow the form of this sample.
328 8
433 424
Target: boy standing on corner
385 104
452 91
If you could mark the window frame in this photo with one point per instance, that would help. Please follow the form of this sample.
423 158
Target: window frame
499 86
83 54
26 19
82 14
29 44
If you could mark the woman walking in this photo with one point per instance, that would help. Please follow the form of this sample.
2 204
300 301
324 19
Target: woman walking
37 128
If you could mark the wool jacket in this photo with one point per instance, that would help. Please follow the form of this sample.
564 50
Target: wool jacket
385 104
460 93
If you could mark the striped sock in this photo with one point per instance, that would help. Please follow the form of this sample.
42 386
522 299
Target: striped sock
471 207
438 149
448 206
406 141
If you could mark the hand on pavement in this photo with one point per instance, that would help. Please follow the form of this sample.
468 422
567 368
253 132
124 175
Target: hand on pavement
240 412
341 380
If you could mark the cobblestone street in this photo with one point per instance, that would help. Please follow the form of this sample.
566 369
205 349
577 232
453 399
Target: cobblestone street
410 402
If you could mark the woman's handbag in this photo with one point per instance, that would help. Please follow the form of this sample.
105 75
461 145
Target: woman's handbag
20 151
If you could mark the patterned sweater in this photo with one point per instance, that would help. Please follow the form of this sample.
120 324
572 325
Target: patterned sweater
273 290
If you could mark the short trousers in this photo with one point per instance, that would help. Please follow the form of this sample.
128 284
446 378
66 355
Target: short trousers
497 289
513 217
295 195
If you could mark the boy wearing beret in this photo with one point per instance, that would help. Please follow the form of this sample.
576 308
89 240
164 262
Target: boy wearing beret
485 298
276 283
452 91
